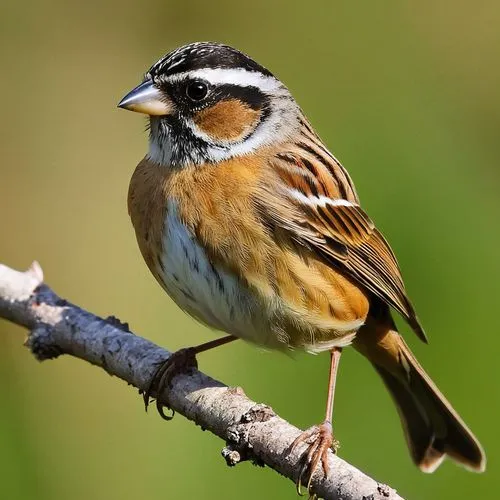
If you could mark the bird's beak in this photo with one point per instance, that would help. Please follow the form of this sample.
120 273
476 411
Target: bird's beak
147 99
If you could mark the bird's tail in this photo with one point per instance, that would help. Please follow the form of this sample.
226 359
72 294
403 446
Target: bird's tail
432 427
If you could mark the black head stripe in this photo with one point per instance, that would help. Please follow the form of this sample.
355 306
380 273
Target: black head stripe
249 95
202 55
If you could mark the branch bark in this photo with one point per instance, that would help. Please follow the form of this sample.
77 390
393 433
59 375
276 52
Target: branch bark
251 431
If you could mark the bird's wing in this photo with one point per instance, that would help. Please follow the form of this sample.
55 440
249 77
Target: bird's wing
312 215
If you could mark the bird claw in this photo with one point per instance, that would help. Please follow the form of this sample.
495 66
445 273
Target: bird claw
181 361
319 439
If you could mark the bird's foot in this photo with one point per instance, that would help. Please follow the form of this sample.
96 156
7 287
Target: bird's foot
181 361
319 439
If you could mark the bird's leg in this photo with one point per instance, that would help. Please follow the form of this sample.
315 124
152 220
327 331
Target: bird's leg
180 361
319 438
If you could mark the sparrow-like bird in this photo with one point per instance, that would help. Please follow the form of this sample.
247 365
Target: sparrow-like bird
254 228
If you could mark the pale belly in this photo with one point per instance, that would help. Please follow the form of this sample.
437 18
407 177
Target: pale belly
211 295
220 300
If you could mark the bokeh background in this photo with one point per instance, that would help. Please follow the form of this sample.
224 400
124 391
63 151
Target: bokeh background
407 96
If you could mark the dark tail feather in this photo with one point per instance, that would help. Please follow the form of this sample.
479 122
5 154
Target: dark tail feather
432 427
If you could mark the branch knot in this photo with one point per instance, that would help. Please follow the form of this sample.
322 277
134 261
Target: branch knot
41 343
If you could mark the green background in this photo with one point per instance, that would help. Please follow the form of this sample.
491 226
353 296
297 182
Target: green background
406 94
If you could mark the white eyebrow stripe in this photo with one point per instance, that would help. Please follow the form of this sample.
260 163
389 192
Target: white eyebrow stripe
321 201
232 76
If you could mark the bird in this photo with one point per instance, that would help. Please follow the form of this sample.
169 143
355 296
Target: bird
255 229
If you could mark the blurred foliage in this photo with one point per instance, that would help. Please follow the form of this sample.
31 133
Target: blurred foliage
406 94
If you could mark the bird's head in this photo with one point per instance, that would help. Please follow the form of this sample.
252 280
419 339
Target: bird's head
209 102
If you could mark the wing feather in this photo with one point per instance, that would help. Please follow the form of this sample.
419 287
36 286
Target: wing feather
337 229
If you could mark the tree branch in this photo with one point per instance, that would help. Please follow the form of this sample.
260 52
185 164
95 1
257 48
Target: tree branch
252 431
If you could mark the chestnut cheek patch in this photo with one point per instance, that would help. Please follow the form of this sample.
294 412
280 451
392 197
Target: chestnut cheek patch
228 120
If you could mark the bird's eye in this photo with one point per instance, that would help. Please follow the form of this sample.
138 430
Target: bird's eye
197 90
